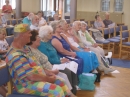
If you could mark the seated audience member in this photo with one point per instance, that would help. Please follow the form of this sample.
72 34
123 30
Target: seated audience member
3 91
56 17
42 21
27 72
88 41
35 23
76 28
27 20
107 21
63 48
3 43
3 21
46 48
34 43
98 24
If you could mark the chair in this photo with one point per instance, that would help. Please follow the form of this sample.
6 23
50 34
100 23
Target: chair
124 45
10 31
91 23
5 78
81 19
9 39
19 21
67 17
8 22
124 27
14 21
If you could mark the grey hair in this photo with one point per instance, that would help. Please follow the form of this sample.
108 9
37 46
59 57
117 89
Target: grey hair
16 34
83 23
53 24
62 21
75 23
44 30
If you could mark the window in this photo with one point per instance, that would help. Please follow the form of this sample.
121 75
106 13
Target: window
67 6
105 5
118 5
48 7
12 3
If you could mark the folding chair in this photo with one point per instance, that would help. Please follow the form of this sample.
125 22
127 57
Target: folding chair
9 39
124 45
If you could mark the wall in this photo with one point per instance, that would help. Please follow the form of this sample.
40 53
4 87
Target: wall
94 6
30 5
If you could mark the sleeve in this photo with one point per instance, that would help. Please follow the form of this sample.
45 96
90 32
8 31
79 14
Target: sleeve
21 67
3 8
95 25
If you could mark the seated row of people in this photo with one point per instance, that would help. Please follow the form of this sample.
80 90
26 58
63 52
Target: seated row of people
57 41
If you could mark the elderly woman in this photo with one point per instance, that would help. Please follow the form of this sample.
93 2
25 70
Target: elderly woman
34 43
88 41
42 21
98 24
27 73
64 50
46 47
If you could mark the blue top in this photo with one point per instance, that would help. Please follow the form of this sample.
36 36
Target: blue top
26 21
50 52
65 45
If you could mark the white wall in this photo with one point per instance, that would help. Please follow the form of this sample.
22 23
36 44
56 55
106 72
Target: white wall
30 5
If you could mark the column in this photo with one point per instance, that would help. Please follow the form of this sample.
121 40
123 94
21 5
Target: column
73 10
18 9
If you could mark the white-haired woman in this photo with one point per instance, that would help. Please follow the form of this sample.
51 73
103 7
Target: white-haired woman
46 48
88 41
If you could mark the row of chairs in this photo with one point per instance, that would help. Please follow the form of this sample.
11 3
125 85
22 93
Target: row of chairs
117 36
14 21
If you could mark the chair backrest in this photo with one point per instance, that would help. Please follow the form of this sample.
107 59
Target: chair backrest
91 23
81 19
124 27
125 34
117 28
14 22
9 39
4 75
105 31
67 17
19 21
8 22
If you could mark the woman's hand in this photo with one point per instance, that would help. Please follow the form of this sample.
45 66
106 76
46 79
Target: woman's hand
55 71
52 79
64 60
73 54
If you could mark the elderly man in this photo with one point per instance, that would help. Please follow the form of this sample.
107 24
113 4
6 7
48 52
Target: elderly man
86 41
107 21
27 73
56 17
27 20
35 23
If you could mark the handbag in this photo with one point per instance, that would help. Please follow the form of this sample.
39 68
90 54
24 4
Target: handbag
86 81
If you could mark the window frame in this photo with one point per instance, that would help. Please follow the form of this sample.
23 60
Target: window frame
115 6
101 8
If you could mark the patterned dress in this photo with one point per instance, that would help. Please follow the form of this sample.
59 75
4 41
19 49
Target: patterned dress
22 64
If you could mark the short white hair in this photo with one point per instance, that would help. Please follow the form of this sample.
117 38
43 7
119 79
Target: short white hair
75 23
44 30
83 23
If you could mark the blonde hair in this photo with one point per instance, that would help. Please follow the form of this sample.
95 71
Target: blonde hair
3 30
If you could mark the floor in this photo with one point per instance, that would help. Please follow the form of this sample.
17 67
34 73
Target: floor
113 85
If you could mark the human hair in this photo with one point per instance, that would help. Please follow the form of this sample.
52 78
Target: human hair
41 13
54 24
34 34
96 17
44 30
3 30
75 23
83 23
62 22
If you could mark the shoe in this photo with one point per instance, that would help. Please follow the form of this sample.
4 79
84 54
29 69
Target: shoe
108 70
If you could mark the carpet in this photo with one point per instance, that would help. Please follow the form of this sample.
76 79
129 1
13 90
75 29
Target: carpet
121 63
